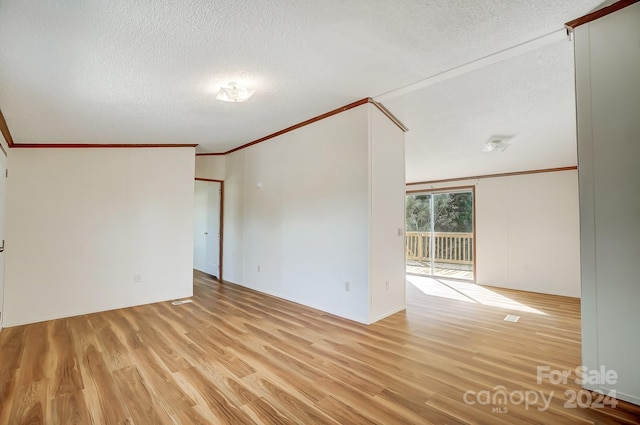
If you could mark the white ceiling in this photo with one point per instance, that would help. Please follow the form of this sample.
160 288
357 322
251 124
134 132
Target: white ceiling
126 71
529 97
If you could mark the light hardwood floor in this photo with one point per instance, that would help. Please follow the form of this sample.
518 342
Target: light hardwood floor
235 356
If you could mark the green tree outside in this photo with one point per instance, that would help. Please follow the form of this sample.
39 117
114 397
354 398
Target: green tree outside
453 212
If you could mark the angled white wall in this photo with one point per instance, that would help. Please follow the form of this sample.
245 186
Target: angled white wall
298 214
233 226
81 223
527 231
386 225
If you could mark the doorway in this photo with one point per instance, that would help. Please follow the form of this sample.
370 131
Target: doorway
207 229
440 233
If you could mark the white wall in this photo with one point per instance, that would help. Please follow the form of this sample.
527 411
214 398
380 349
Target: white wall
608 98
210 167
299 207
3 163
307 225
527 231
387 185
82 222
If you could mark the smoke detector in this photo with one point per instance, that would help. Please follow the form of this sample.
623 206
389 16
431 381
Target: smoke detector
497 144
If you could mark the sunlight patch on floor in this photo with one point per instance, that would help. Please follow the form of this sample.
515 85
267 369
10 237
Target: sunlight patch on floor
468 292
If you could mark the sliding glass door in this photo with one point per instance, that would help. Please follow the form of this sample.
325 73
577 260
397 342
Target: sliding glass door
440 233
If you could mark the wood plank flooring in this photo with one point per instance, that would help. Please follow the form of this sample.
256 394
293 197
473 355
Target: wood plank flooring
235 356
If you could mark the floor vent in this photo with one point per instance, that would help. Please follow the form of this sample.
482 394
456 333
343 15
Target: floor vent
181 302
511 318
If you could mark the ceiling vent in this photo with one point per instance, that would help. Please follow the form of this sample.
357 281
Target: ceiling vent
497 144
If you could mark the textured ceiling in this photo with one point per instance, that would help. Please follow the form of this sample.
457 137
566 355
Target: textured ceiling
530 98
127 71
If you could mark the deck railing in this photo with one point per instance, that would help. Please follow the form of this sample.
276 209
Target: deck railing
449 247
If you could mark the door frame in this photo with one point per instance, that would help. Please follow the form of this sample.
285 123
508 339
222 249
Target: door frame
449 189
221 221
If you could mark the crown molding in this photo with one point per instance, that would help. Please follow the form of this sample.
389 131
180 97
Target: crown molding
98 145
489 176
571 25
355 104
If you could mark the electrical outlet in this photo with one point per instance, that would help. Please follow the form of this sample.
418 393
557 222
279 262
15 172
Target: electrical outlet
258 267
137 277
347 286
387 284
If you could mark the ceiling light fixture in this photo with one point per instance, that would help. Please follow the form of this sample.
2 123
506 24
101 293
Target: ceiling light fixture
234 93
497 144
